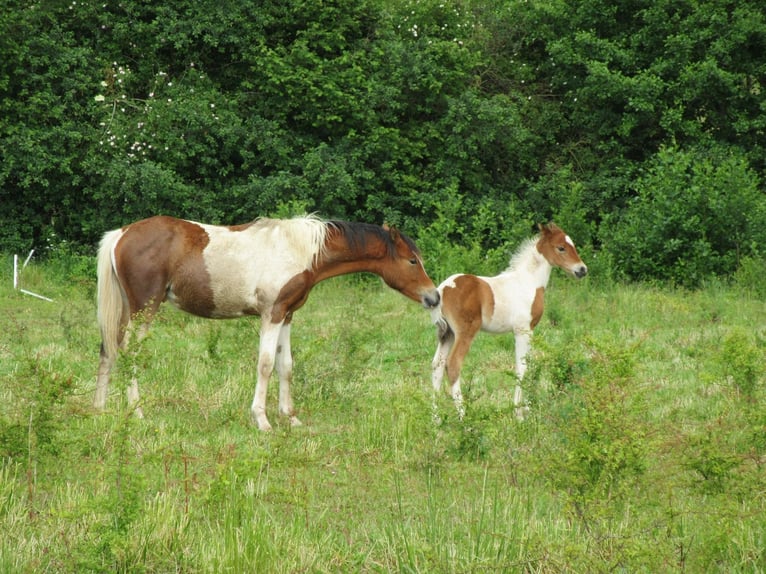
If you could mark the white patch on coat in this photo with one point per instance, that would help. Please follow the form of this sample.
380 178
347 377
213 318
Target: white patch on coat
248 268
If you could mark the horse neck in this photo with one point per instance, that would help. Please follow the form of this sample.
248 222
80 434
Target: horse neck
530 263
342 256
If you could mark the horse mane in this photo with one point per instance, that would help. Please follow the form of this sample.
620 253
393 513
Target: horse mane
307 233
521 255
358 234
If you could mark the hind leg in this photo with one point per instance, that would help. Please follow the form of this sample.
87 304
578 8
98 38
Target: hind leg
107 360
134 399
460 348
445 340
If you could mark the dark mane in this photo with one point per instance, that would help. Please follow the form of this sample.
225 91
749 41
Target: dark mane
358 234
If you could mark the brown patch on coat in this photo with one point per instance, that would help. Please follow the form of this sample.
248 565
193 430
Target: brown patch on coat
464 306
160 256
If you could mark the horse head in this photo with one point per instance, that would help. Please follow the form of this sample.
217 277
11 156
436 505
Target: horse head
404 270
560 251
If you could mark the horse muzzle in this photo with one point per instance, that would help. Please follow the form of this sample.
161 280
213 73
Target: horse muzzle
581 271
431 299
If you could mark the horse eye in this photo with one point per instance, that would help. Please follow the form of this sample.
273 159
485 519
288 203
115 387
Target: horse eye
413 261
561 249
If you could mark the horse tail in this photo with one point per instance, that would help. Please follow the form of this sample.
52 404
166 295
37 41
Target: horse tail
111 302
443 329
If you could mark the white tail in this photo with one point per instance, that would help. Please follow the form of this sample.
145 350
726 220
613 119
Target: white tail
110 296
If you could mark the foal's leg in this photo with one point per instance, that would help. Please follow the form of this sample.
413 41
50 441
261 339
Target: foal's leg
445 340
266 358
460 348
285 371
522 349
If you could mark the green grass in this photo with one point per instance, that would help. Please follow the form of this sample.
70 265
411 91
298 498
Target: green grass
644 450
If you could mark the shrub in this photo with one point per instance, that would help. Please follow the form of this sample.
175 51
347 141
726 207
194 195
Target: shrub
695 215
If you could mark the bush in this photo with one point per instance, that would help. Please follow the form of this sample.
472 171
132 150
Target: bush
695 215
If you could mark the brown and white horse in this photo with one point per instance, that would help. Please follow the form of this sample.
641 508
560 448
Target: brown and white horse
264 268
511 301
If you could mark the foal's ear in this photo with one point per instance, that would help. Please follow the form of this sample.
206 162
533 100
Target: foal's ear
548 227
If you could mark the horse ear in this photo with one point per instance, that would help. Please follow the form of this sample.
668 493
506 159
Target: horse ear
393 232
385 226
549 227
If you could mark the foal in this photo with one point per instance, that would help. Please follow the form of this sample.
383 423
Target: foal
511 301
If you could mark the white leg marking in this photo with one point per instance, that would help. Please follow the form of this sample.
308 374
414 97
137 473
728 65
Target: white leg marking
457 396
522 349
102 382
267 352
285 371
438 365
134 399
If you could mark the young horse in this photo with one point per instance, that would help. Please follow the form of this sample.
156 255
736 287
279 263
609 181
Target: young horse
264 268
511 301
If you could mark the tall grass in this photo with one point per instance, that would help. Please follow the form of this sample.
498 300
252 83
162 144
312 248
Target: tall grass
644 450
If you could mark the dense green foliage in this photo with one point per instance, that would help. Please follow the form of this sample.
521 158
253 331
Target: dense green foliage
467 119
643 450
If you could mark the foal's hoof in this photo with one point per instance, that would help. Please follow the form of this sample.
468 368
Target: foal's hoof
295 422
521 412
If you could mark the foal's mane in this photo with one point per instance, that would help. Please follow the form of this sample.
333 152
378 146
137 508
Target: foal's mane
358 234
521 255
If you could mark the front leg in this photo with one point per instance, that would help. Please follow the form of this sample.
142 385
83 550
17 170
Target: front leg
522 350
285 371
266 357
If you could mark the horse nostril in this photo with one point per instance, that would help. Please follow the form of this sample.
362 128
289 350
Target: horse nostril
582 271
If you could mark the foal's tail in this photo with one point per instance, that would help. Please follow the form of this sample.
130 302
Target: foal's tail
111 302
443 329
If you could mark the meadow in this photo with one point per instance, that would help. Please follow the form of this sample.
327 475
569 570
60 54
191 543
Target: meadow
644 449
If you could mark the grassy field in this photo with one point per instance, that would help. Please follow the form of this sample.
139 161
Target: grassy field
644 450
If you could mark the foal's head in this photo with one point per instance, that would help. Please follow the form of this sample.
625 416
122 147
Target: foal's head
404 270
559 250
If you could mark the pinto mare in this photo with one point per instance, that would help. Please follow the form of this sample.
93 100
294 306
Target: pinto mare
511 301
264 268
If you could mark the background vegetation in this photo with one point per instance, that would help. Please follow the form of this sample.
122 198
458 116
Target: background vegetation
643 451
637 125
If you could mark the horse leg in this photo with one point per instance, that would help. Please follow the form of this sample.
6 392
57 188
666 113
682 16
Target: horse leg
285 372
521 349
117 339
105 365
460 348
132 391
266 358
445 339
